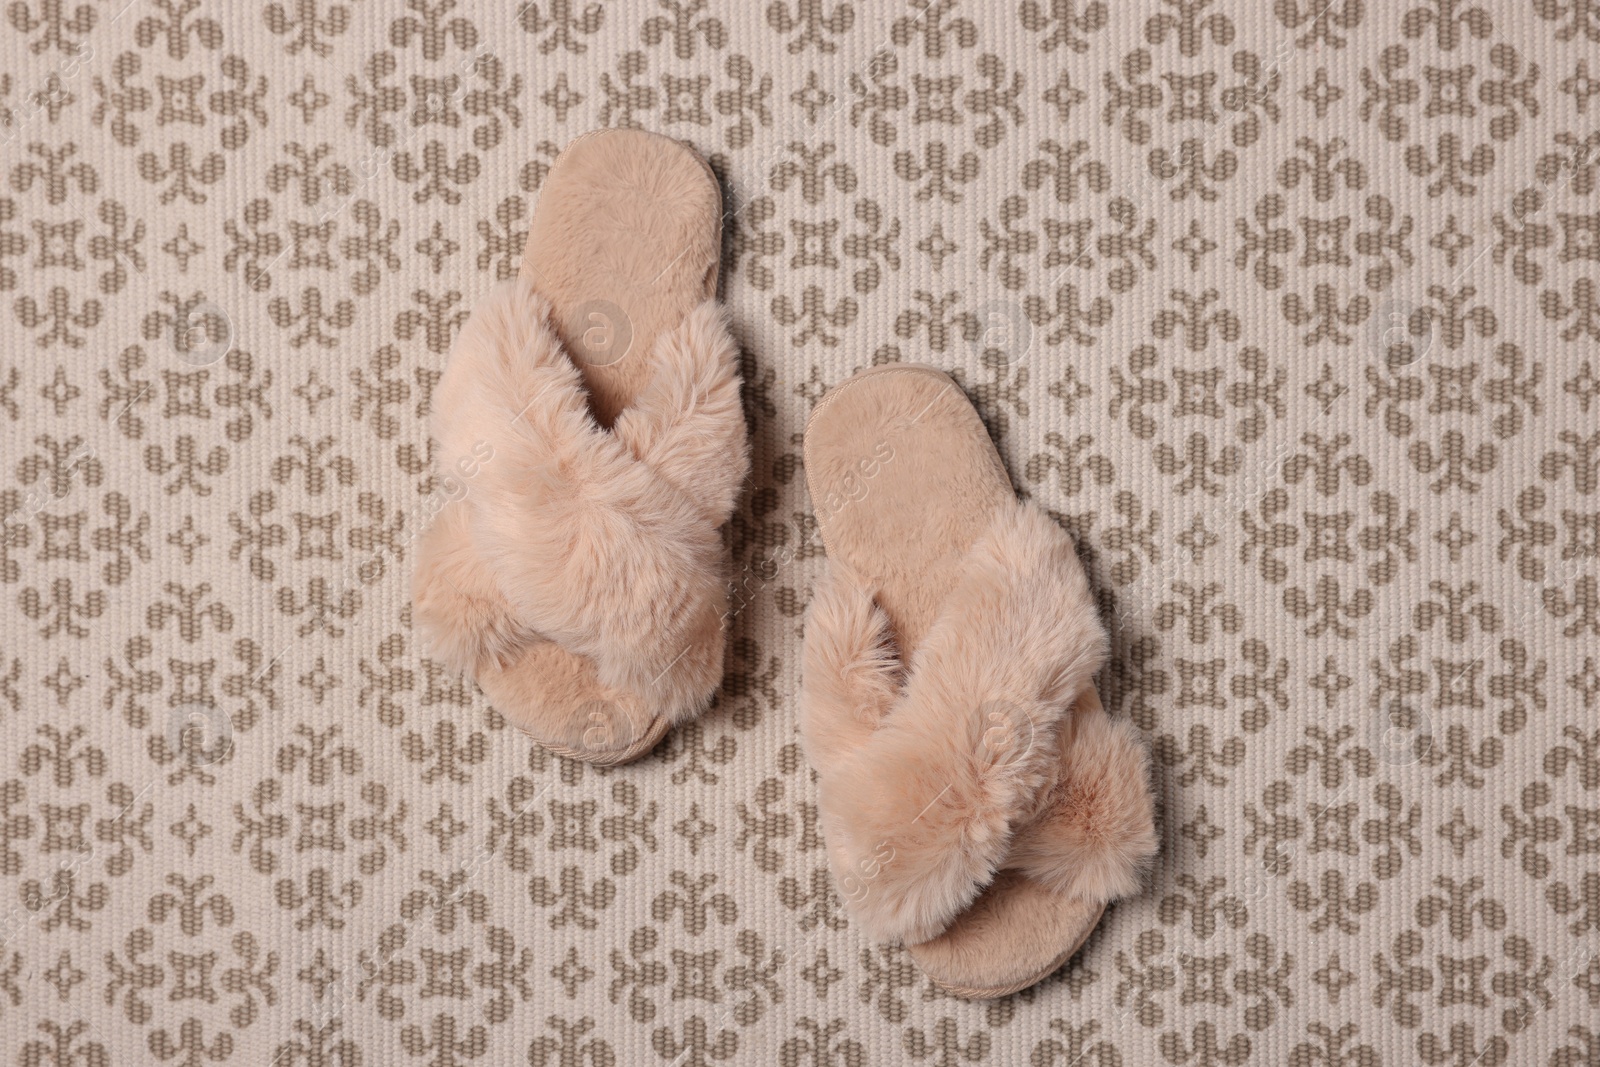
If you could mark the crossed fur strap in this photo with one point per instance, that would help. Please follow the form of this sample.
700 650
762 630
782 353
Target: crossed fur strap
606 542
926 784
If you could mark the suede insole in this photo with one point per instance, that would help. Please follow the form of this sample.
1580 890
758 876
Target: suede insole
626 238
904 479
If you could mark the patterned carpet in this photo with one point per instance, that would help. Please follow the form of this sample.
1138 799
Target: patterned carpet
1288 311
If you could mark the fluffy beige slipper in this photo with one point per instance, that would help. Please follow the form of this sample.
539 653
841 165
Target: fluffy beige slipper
977 801
590 413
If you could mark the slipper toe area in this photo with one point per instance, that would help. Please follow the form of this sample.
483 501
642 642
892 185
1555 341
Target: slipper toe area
1092 844
555 695
1015 934
465 623
1095 837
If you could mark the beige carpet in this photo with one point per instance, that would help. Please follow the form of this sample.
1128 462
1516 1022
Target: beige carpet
1288 310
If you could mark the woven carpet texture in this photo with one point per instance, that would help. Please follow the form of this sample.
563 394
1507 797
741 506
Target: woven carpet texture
1289 312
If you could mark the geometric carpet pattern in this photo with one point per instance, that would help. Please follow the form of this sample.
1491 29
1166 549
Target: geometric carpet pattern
1290 313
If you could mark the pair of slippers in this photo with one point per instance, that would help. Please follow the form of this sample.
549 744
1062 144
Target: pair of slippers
978 803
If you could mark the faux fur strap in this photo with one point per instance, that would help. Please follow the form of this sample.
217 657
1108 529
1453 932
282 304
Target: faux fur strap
606 542
925 785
